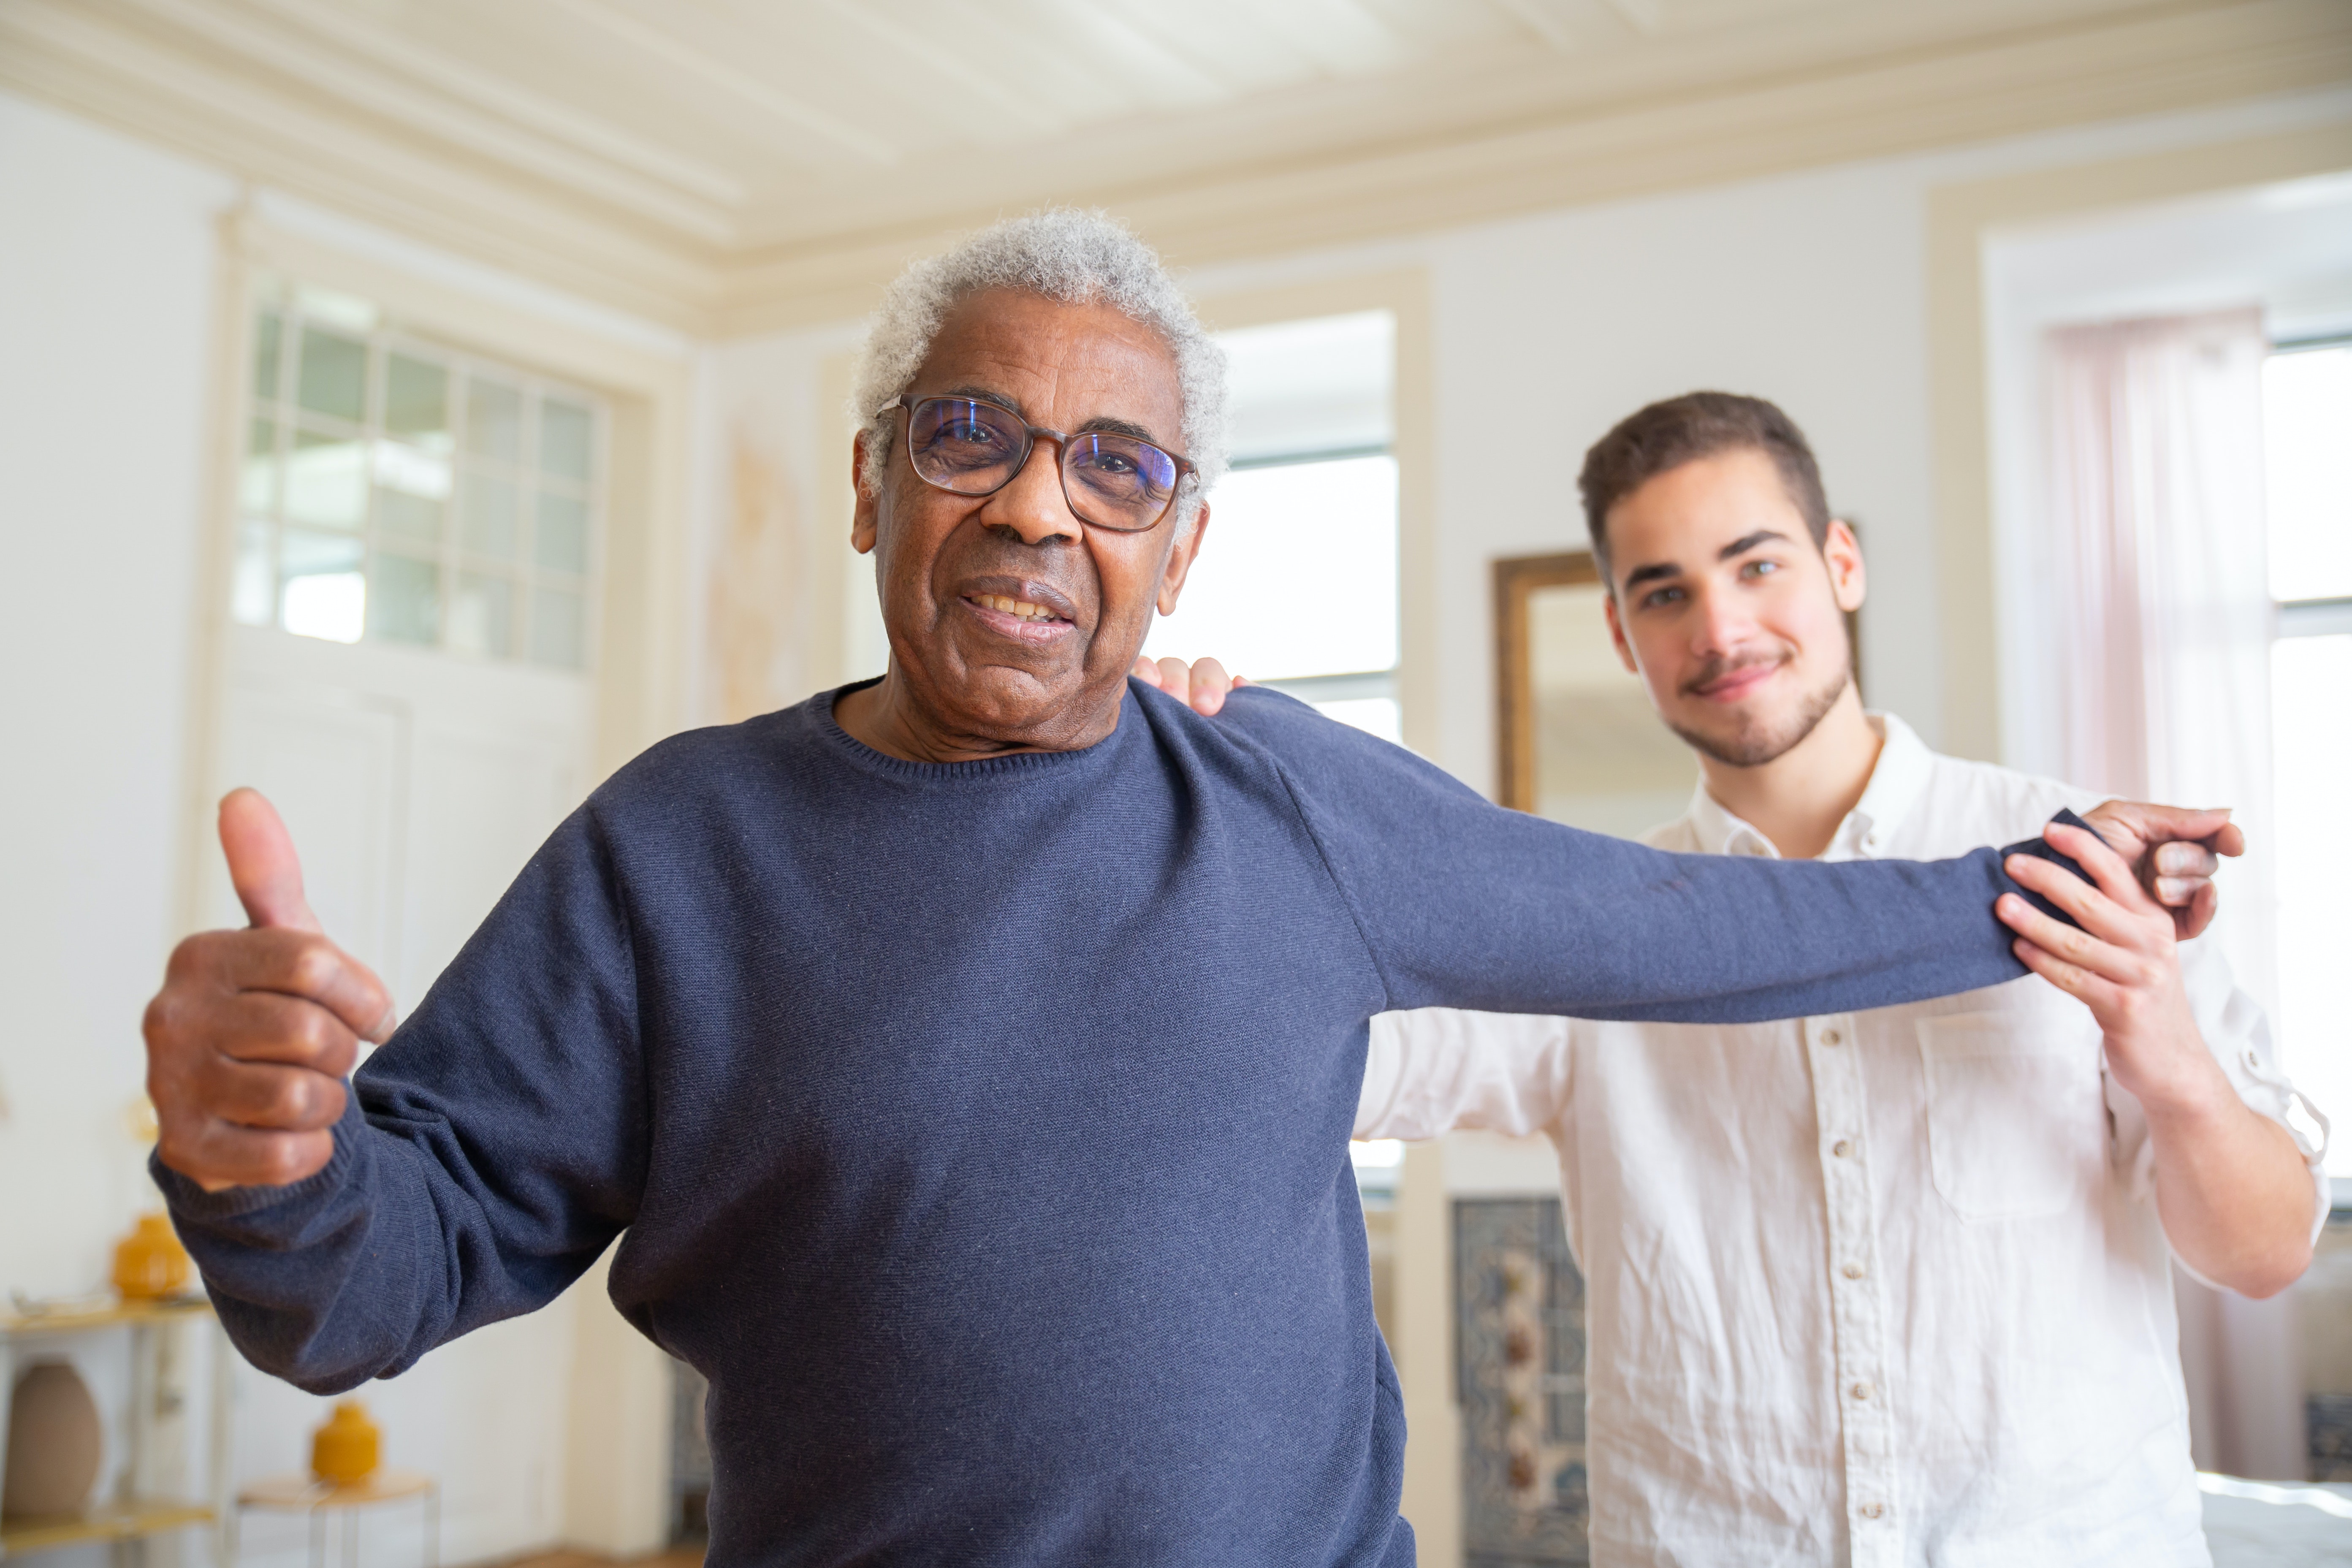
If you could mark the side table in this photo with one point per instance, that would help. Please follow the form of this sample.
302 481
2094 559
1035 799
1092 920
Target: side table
315 1499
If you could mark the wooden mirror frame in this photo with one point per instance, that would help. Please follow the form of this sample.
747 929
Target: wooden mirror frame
1514 729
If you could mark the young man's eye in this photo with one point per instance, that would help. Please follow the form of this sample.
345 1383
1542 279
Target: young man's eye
1760 568
1658 597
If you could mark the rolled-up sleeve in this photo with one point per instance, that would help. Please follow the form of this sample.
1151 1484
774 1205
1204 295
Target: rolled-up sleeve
2237 1033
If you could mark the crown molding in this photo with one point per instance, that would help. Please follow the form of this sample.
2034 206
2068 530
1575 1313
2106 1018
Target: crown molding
332 109
1915 103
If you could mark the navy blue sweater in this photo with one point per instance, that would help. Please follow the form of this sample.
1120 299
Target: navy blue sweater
980 1131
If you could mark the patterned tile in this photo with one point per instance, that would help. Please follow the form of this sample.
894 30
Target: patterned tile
1519 1345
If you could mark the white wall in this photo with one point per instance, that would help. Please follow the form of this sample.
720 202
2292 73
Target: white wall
109 266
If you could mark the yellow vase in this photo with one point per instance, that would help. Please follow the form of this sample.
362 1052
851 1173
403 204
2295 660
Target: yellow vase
345 1450
149 1261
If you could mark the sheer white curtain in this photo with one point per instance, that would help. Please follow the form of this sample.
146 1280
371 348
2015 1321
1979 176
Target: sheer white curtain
2164 612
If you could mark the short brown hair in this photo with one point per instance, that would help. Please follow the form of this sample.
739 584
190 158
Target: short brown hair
1665 436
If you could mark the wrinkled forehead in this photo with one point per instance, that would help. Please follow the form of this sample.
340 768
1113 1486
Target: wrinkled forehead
1057 363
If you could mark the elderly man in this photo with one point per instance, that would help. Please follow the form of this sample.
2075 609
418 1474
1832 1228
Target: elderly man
1001 1239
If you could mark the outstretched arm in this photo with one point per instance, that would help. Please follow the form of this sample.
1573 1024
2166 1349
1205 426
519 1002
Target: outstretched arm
2235 1192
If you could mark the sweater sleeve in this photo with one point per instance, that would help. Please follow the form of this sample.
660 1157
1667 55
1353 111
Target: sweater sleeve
1464 904
489 1152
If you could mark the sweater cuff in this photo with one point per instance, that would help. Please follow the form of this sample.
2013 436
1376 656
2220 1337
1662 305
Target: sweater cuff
190 1202
2039 847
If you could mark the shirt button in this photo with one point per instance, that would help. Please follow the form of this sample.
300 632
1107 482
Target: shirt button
1861 1391
1871 1509
1854 1271
1841 1149
1831 1037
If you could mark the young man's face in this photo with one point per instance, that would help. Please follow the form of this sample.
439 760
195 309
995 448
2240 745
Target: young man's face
1723 606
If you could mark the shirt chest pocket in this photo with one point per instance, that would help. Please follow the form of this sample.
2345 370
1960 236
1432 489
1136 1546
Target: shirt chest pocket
2015 1120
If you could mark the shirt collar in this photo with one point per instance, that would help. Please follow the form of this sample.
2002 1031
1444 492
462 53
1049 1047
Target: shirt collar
1896 782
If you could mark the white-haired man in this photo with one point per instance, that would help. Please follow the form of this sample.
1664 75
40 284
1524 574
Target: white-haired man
1889 1287
998 1244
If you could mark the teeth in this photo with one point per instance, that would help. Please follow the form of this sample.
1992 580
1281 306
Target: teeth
1020 608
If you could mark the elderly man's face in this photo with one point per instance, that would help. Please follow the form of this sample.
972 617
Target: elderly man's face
1053 681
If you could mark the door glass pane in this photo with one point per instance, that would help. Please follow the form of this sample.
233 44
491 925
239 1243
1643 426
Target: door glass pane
399 515
334 375
490 520
258 488
560 541
268 331
253 588
493 420
558 627
416 401
326 480
322 592
406 605
564 433
482 615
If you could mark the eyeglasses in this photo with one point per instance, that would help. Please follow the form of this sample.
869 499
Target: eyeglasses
975 448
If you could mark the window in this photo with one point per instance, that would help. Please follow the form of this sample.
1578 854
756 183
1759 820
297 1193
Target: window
1296 585
401 491
2308 431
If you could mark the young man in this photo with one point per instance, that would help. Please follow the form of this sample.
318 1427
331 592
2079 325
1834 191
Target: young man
1889 1286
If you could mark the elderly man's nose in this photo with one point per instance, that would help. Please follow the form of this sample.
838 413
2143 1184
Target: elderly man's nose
1033 506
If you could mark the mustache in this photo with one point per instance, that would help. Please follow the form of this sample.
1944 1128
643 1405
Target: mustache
1714 669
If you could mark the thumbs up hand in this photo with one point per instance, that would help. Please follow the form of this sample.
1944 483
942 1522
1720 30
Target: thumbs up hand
249 1039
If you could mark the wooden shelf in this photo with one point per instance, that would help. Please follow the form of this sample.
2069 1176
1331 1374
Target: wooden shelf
113 1523
18 1326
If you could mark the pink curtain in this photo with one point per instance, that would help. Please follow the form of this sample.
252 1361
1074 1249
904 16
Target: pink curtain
2156 467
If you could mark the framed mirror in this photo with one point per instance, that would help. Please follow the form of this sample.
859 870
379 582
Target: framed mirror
1579 741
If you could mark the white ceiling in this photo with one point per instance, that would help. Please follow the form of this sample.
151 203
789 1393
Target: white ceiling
721 163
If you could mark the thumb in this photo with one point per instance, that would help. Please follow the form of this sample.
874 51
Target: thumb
262 865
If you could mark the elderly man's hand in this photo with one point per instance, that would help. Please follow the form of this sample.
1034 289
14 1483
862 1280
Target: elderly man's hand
2173 852
1202 685
249 1039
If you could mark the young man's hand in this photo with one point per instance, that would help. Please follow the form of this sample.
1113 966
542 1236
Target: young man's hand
249 1039
1202 684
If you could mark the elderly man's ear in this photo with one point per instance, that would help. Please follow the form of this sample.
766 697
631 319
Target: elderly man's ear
1180 562
866 518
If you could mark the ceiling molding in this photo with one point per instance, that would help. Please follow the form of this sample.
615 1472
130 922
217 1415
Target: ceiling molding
1948 97
329 104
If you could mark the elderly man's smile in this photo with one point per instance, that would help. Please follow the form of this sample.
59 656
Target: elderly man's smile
1027 612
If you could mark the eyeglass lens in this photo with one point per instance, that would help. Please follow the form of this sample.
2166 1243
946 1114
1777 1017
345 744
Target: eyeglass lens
972 447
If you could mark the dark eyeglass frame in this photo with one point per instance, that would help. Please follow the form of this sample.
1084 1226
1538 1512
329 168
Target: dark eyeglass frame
1030 435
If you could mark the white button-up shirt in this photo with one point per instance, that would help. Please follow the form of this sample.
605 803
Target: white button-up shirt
1885 1288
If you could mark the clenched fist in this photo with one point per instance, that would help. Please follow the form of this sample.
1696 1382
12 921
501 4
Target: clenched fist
248 1042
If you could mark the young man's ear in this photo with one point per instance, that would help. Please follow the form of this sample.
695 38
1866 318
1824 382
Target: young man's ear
1849 578
866 521
1617 631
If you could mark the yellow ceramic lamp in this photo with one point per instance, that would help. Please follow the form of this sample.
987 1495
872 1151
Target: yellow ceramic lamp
150 1262
345 1450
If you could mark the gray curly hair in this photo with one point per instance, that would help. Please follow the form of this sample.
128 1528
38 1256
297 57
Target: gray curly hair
1066 254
